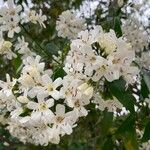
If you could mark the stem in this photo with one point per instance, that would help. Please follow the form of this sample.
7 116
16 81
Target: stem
33 40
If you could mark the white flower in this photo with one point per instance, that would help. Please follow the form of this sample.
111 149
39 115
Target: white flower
135 34
97 54
32 63
41 111
80 98
22 47
5 49
63 121
34 17
144 60
108 42
50 87
8 85
23 99
10 18
111 104
68 25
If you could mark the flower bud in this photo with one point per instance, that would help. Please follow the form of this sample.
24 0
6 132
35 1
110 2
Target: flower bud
23 99
83 87
89 92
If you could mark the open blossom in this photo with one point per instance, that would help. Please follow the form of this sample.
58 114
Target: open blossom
77 94
34 17
111 104
22 47
96 54
68 25
63 121
8 85
5 49
10 18
41 111
144 60
135 34
32 98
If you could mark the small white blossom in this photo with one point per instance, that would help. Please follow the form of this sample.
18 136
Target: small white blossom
22 47
41 111
110 105
68 25
34 17
10 18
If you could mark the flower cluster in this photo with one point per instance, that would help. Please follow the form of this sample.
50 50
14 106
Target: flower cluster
34 17
111 104
145 145
42 109
39 107
68 25
96 54
11 19
135 34
5 48
22 47
144 60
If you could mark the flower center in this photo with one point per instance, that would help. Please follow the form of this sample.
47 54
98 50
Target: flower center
59 119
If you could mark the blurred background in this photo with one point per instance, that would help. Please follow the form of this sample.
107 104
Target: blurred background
94 131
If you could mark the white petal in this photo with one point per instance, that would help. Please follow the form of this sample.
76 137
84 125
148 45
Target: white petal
48 114
32 105
60 109
41 97
46 79
11 34
57 82
55 94
24 119
67 128
50 102
83 111
36 116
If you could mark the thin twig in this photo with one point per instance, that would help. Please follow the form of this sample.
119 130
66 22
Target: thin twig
43 50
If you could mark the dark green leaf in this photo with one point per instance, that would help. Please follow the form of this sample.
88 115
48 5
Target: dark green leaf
128 134
118 89
146 135
59 72
146 77
144 89
52 49
108 145
106 122
117 27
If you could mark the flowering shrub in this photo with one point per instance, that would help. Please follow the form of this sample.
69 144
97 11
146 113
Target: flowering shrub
64 74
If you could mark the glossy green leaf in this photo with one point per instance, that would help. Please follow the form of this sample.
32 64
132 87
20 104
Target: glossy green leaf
118 89
146 135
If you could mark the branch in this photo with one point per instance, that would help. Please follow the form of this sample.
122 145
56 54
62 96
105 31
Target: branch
33 40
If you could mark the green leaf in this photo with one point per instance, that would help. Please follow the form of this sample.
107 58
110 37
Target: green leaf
128 134
17 64
146 135
118 89
146 77
117 27
144 89
59 72
108 145
52 49
106 122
